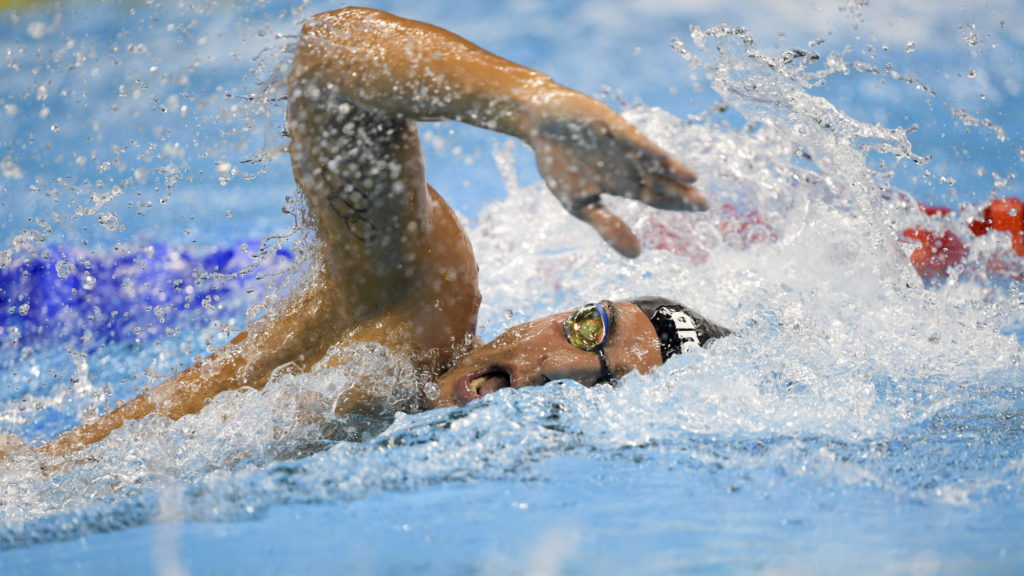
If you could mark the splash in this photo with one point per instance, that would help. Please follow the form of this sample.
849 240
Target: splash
848 370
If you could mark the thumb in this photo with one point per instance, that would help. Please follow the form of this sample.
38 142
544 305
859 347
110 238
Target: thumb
614 231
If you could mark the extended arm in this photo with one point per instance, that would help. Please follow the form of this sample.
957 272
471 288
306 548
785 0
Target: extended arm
415 71
285 335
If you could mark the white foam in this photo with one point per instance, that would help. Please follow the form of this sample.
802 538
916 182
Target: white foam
840 349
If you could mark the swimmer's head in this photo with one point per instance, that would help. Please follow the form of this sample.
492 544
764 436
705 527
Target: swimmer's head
679 328
595 343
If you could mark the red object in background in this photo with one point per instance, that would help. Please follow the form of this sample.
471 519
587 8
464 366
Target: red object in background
739 229
933 210
1004 215
938 252
659 235
747 227
940 249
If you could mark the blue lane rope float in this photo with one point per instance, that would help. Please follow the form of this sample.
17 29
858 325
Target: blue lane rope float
123 295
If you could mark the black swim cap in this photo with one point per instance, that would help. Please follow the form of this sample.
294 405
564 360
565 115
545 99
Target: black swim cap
679 328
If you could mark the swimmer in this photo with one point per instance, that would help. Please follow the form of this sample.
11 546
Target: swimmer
394 266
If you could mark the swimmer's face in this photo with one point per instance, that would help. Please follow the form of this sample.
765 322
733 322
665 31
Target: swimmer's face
538 352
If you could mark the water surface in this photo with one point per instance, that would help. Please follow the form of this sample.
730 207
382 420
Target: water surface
863 420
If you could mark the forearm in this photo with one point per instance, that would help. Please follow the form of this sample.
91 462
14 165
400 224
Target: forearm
99 428
185 393
413 70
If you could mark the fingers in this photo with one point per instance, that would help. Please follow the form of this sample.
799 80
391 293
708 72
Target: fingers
610 227
630 166
656 161
658 179
669 194
675 170
653 159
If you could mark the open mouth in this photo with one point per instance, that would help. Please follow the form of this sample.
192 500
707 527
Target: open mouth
481 384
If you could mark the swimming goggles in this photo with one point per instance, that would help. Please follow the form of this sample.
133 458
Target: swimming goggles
587 329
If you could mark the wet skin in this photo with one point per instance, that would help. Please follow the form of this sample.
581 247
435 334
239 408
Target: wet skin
391 263
537 352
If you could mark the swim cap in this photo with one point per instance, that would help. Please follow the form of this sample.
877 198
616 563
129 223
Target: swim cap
679 328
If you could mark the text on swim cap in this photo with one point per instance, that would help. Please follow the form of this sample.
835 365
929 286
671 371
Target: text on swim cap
685 329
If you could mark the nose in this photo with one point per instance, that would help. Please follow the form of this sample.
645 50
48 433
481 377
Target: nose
532 353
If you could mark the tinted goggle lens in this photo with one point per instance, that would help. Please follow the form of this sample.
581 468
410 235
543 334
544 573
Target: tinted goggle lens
587 327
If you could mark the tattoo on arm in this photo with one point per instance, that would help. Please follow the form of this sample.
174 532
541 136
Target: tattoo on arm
352 205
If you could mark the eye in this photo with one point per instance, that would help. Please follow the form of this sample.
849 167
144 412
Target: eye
587 327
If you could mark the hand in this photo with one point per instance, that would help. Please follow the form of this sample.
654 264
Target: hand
584 149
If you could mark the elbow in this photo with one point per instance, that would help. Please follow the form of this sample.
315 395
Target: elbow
349 22
331 41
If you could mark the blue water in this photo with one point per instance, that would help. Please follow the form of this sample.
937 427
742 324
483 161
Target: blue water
863 420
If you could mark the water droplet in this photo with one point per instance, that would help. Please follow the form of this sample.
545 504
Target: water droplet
36 30
225 172
969 34
88 281
971 73
431 391
110 221
23 309
64 269
10 170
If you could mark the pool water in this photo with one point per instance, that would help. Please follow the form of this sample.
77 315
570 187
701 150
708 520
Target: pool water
864 419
